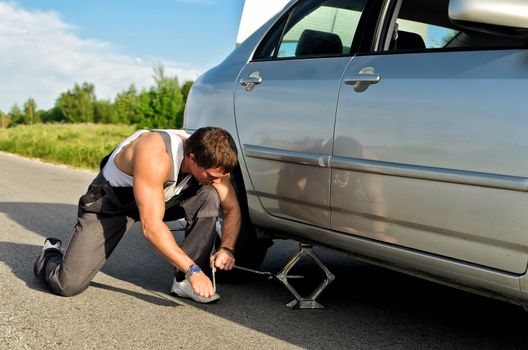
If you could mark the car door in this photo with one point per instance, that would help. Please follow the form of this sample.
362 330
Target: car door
430 146
285 105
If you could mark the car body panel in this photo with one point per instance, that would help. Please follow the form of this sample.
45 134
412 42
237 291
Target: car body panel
289 189
446 126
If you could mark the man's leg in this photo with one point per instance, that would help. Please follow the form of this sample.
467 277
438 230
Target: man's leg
201 213
93 240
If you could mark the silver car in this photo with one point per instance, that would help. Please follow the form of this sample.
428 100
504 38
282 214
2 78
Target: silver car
392 130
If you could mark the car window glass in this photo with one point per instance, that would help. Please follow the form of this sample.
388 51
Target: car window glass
266 50
426 36
313 29
327 29
425 25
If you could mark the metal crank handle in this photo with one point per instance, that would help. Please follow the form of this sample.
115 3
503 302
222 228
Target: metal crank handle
265 273
254 271
214 277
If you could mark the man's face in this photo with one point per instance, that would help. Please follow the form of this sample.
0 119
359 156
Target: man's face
205 176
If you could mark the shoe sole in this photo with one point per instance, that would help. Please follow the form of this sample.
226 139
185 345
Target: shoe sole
191 298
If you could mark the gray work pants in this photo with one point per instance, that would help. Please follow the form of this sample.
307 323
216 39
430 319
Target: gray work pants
105 213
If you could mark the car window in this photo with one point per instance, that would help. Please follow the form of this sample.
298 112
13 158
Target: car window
318 28
425 25
410 35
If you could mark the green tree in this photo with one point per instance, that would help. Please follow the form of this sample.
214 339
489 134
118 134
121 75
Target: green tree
104 112
52 115
162 105
31 115
145 108
127 106
4 120
77 105
15 116
185 89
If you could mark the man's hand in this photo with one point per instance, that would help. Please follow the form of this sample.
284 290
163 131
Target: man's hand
201 284
223 259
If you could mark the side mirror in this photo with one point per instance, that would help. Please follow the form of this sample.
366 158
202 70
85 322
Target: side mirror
499 17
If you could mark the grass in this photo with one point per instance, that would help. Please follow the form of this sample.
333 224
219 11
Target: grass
76 145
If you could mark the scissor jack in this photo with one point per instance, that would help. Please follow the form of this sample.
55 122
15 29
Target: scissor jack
299 302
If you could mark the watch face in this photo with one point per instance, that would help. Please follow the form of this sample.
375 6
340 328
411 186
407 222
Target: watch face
194 269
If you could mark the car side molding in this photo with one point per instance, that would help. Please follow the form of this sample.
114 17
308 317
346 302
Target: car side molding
473 178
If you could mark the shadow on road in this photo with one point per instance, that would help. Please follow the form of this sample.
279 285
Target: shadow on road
367 307
132 258
145 297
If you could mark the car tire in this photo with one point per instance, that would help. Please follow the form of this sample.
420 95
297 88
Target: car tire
250 250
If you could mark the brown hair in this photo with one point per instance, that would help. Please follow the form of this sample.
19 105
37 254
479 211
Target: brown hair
212 148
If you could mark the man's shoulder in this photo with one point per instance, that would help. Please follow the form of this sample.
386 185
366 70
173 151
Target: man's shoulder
183 134
151 159
224 184
150 145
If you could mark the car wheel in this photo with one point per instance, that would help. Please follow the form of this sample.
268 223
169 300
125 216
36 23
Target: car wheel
250 250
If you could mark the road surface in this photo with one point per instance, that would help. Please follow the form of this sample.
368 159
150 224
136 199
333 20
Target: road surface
128 306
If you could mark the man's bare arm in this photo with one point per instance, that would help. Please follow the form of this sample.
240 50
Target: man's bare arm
224 259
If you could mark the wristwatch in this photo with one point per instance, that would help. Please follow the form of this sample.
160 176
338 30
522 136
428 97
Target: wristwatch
193 270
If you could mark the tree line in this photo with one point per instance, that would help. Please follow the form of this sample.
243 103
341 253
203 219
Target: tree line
160 106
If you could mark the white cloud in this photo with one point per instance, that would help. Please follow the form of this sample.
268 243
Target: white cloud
42 57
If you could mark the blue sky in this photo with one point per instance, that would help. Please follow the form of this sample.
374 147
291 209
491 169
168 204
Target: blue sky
48 45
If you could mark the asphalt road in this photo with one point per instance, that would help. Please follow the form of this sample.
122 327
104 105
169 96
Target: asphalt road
128 306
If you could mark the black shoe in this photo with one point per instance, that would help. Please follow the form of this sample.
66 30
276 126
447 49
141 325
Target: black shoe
52 248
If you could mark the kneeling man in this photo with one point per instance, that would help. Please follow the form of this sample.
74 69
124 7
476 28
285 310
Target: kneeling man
154 176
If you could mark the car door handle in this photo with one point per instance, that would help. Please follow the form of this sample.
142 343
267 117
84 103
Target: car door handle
250 81
362 80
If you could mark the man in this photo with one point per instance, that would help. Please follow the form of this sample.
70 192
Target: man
154 176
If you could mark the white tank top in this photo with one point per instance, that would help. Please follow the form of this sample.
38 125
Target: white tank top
174 146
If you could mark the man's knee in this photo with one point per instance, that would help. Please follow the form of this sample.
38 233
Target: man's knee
69 288
205 203
67 284
48 268
209 195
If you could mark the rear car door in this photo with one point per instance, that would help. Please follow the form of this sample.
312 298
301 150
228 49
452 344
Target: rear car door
285 106
430 145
